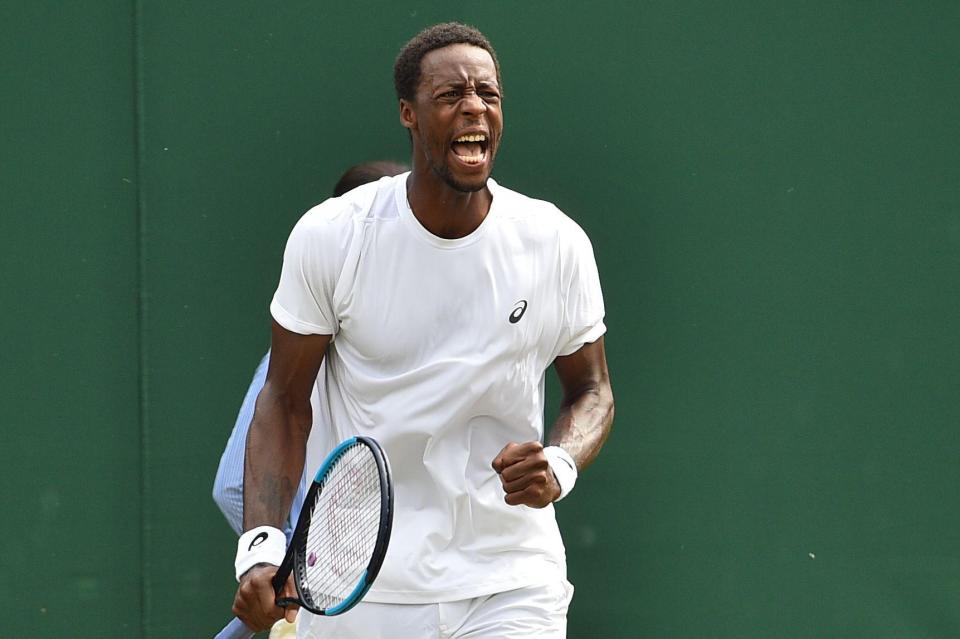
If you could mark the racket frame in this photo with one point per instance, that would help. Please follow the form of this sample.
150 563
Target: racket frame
294 560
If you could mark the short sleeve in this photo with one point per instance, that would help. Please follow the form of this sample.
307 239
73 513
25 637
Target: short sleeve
582 297
304 301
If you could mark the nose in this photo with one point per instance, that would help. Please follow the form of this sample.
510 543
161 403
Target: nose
472 104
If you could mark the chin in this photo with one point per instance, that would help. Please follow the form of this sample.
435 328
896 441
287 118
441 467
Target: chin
471 186
464 184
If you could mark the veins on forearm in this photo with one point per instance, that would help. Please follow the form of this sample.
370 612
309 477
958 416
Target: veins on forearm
583 424
272 492
276 434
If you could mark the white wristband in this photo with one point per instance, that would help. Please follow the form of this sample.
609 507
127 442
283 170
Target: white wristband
260 545
563 467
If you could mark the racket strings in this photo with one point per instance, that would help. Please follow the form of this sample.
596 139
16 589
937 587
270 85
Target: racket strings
335 544
343 529
346 538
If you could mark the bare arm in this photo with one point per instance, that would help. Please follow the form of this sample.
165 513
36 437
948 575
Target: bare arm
277 440
276 447
586 416
586 413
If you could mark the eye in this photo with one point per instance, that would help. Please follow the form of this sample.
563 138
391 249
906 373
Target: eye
447 95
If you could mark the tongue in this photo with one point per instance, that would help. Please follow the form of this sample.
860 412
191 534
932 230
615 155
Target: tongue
467 148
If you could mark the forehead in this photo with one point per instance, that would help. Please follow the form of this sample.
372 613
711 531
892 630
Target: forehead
457 63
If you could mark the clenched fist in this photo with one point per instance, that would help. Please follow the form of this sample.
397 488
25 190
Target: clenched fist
525 475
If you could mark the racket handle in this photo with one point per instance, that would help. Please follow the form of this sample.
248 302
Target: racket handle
236 629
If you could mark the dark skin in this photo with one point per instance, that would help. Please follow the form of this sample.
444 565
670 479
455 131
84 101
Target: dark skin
459 94
586 416
276 447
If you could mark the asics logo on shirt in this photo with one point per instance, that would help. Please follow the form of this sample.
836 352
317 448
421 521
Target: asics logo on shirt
519 309
259 539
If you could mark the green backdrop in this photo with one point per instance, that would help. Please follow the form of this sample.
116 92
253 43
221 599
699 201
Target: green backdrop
773 193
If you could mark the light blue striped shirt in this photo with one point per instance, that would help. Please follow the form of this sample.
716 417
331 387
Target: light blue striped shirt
228 485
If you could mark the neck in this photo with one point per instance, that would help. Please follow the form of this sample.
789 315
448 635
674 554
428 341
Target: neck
443 210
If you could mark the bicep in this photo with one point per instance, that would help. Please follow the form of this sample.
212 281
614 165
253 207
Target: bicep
584 370
294 362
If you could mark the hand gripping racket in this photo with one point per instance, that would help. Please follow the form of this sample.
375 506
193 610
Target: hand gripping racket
341 535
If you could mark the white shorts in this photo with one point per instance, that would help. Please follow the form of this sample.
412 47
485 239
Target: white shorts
536 611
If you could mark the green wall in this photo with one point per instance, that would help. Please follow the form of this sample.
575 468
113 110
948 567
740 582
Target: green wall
70 461
773 193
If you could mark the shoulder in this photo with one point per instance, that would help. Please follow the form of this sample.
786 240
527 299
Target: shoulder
336 223
356 206
539 217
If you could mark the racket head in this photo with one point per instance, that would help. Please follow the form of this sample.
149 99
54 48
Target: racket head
343 531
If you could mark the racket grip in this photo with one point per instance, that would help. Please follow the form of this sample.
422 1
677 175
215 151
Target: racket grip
236 629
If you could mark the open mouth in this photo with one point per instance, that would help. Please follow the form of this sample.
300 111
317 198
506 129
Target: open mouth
471 148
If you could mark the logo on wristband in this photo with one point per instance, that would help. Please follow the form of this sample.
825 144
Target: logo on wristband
259 539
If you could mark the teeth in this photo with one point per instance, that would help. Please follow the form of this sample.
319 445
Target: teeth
476 137
472 159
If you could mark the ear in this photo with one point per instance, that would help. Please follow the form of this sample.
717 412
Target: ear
408 115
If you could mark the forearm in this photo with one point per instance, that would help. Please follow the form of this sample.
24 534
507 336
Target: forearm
275 454
585 420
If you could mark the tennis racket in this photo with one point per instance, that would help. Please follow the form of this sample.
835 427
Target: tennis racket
341 535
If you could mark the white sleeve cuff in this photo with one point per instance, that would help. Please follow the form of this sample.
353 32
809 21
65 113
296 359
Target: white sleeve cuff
587 335
295 325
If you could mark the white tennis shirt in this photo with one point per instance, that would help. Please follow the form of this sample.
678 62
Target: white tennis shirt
439 351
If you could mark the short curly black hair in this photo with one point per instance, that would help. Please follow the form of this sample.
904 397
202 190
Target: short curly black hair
406 69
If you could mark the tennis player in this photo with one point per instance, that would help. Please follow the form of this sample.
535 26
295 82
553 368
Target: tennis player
439 299
228 484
